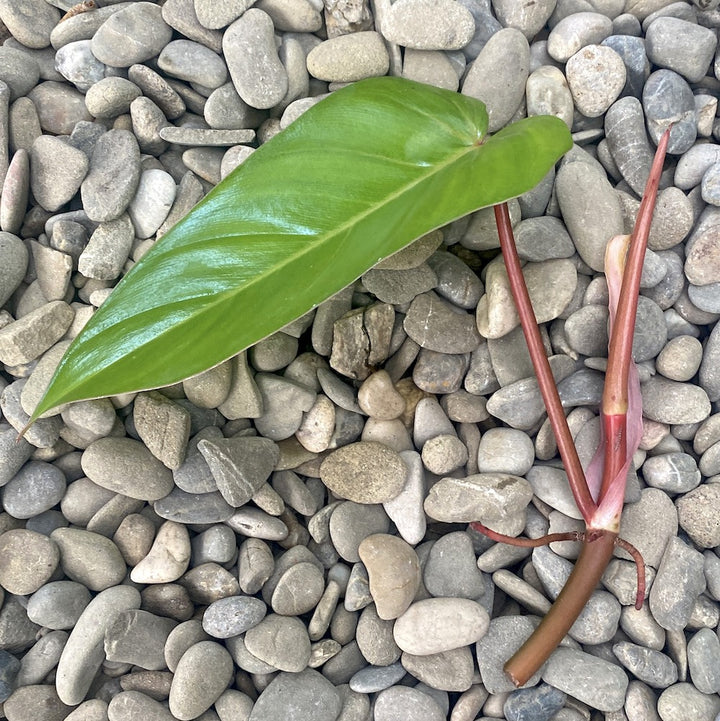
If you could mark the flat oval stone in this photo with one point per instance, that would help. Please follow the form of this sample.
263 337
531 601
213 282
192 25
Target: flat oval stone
152 202
114 175
484 497
27 560
193 62
58 605
575 32
84 652
307 694
668 100
36 488
451 568
668 401
394 572
351 57
429 25
697 514
281 641
498 75
89 558
233 615
202 674
596 76
364 472
548 94
434 625
668 39
131 35
111 97
675 701
255 68
434 324
56 171
126 466
651 666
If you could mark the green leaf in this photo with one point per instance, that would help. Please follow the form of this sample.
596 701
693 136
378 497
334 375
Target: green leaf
356 178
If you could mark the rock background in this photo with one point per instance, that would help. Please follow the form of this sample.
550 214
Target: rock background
286 535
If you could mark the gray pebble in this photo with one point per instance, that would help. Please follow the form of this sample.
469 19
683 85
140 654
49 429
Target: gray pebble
56 171
14 198
668 401
347 58
435 324
592 680
152 202
432 67
193 62
632 51
667 98
365 472
249 48
147 122
27 560
193 507
704 661
539 703
505 450
674 703
232 616
138 637
484 497
575 32
455 280
181 16
375 639
399 286
283 403
14 257
298 695
132 35
451 568
400 702
130 704
156 88
84 654
667 40
36 488
709 378
653 667
428 25
351 523
210 662
298 590
446 671
678 582
372 679
281 642
672 472
543 238
497 76
76 62
710 185
596 76
42 658
111 97
697 515
436 372
114 176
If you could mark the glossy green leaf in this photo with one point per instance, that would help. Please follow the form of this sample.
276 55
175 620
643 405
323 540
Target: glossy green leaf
356 178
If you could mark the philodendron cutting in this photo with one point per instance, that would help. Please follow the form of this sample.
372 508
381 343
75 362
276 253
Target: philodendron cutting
356 178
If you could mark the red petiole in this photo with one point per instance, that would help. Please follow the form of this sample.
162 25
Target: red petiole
599 495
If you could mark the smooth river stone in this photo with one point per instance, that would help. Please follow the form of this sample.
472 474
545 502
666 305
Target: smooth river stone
84 652
671 402
428 24
168 558
484 497
126 466
434 625
364 472
394 572
27 560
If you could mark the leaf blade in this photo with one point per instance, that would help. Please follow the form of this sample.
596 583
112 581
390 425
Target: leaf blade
356 178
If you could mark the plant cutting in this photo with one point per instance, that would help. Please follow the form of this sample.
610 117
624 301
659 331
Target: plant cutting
356 178
599 495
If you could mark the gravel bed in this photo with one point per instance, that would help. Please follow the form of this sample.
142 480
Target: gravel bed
286 535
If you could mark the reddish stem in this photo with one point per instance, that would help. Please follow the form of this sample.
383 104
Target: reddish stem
546 382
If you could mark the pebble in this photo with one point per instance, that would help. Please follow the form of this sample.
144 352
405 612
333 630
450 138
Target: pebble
428 25
680 359
455 280
283 404
347 58
589 679
188 698
37 700
393 571
505 450
668 99
281 642
36 488
434 324
539 703
30 22
668 401
193 62
637 66
256 71
364 472
672 472
114 176
498 75
58 605
132 35
680 699
575 32
372 679
667 40
406 509
306 694
168 558
56 171
138 638
400 702
152 202
27 561
650 666
84 654
697 513
446 671
678 582
451 568
76 62
596 76
704 661
350 523
434 625
484 497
